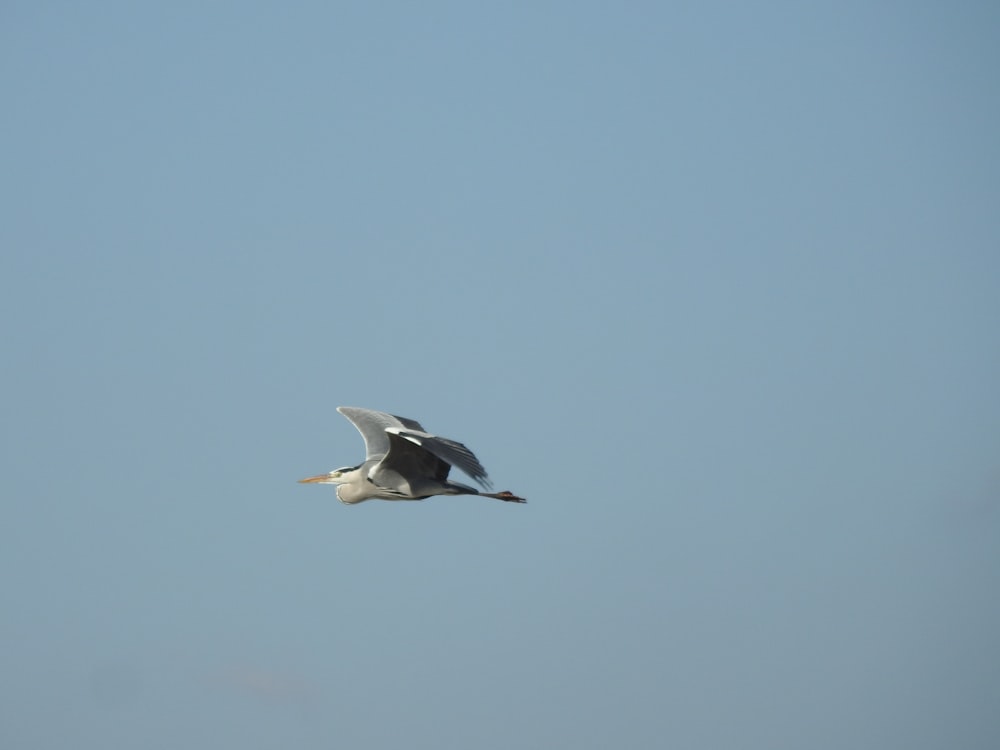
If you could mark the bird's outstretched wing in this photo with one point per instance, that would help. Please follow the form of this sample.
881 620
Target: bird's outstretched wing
373 424
449 451
408 469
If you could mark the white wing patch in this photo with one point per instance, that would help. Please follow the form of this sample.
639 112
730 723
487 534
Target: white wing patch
405 435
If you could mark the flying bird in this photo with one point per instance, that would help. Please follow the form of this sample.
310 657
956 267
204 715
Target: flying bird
404 462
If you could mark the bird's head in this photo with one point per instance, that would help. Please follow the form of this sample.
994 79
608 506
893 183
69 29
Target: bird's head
337 476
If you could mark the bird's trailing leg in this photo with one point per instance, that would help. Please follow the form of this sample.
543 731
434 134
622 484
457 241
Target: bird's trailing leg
506 495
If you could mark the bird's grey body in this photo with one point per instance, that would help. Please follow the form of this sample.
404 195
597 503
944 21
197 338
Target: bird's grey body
404 462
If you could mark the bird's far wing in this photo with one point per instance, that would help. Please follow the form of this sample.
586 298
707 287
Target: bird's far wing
372 426
450 451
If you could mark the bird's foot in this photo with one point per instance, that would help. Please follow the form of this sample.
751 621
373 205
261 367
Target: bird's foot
507 496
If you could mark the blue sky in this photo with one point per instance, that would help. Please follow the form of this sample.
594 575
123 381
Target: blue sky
715 286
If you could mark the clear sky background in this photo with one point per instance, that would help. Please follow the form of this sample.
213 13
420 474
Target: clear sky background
716 286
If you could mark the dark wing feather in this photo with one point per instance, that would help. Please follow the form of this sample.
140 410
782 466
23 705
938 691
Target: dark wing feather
450 451
409 469
410 424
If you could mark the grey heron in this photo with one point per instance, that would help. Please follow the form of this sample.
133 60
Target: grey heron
404 462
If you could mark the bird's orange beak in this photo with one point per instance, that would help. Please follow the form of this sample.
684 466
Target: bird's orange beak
315 479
